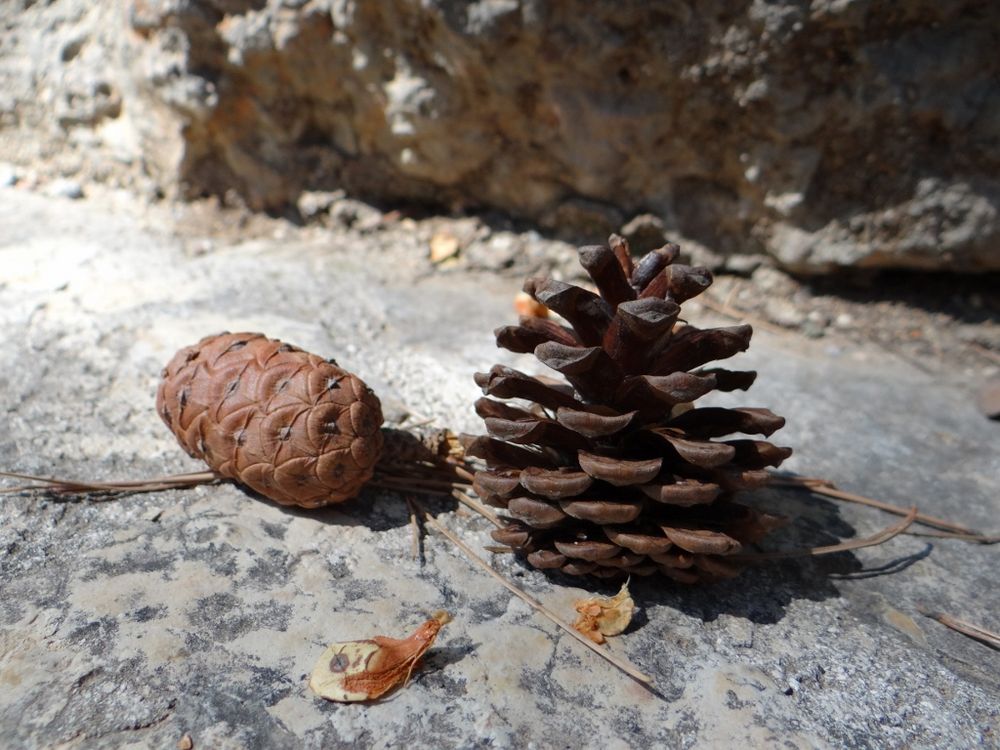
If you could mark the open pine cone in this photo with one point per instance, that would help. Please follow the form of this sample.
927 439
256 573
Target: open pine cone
286 423
612 471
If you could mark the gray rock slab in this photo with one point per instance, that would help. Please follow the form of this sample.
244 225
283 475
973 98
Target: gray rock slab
132 622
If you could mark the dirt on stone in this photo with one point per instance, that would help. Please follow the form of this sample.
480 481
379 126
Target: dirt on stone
941 323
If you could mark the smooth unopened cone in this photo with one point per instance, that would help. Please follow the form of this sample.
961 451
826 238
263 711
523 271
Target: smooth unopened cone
288 424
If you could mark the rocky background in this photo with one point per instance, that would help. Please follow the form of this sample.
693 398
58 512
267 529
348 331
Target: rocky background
824 134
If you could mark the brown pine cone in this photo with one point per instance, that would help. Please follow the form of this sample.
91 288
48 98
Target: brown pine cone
286 423
610 470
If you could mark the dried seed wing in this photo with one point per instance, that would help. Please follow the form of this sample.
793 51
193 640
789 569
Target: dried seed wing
353 671
614 619
601 616
329 676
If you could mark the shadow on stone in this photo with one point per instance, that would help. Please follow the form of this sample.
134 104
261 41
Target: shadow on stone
440 657
376 509
763 592
890 568
970 299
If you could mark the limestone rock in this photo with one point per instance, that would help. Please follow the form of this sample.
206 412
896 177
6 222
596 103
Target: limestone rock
826 134
64 188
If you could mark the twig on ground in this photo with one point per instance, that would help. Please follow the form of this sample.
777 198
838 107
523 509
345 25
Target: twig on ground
462 472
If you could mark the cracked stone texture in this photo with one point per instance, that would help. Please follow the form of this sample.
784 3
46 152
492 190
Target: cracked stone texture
129 623
827 133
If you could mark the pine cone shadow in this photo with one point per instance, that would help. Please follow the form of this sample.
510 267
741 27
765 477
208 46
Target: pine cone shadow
380 509
373 508
763 591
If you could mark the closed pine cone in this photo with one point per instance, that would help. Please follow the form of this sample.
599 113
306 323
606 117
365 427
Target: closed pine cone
286 423
611 471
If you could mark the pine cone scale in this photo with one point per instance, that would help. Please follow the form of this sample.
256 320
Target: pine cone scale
619 472
602 511
593 425
554 484
605 268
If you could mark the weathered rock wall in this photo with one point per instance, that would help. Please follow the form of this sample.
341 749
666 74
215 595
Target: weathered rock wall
829 133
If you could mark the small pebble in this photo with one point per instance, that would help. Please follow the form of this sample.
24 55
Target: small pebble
64 188
988 398
814 330
744 265
8 177
784 313
443 245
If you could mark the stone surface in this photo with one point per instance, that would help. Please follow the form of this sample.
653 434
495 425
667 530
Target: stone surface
830 133
131 623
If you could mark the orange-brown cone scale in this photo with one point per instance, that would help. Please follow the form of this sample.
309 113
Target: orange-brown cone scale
288 424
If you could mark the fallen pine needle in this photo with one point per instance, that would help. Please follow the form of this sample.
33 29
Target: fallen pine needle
827 488
880 538
50 484
723 308
415 528
478 507
624 666
965 628
464 473
984 351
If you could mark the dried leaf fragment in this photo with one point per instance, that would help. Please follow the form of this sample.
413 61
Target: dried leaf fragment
353 671
527 306
443 245
601 615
